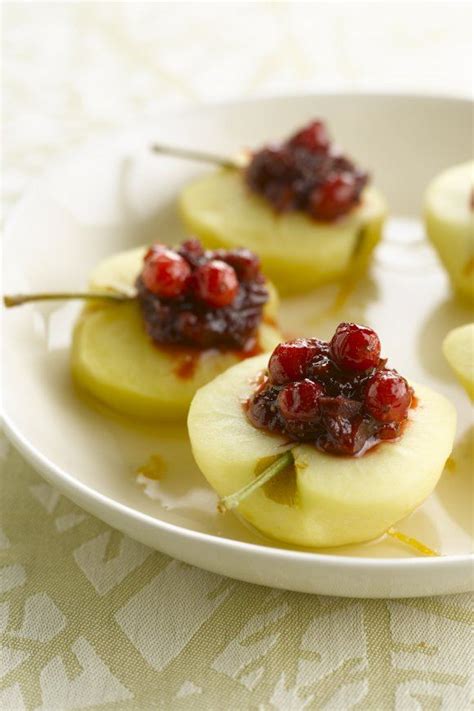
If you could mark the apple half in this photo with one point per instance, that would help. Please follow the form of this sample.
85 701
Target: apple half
114 360
324 500
297 253
458 348
449 219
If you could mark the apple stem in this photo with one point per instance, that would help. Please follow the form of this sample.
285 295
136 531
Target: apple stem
412 542
227 503
200 156
19 299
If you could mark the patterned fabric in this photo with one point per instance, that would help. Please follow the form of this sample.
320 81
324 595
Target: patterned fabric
89 618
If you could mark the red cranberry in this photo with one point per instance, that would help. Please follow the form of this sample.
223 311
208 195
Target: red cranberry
355 347
334 197
216 283
388 396
299 401
289 360
154 249
165 272
313 137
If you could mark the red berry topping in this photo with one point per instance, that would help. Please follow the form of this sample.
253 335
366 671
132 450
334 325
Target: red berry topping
245 262
203 299
165 272
307 174
216 283
334 197
289 360
313 138
388 396
355 347
262 409
338 395
299 401
192 251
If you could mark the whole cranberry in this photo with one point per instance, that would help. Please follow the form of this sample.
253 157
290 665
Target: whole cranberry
154 249
335 197
388 396
313 137
216 283
355 347
299 401
289 360
165 272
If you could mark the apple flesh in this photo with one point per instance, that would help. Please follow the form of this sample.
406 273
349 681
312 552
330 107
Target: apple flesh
113 359
458 348
326 500
449 218
296 252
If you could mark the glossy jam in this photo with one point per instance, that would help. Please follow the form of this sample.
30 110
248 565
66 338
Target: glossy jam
337 395
307 173
218 305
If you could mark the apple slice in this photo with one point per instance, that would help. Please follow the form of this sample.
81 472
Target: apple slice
449 218
458 348
324 500
113 359
296 252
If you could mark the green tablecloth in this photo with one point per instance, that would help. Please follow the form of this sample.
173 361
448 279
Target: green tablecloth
89 618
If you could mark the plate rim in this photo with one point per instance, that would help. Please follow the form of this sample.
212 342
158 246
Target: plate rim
64 479
60 475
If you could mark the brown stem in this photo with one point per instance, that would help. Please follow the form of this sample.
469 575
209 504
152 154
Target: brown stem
19 299
200 156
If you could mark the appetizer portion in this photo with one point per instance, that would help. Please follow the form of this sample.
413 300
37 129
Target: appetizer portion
360 447
303 206
195 314
458 348
337 395
307 174
449 218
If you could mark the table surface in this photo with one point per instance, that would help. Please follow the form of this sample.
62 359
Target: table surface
88 617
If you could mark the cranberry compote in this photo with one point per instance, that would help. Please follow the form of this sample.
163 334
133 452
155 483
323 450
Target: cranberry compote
307 173
337 395
203 299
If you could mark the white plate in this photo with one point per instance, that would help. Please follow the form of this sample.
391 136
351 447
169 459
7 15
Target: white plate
113 194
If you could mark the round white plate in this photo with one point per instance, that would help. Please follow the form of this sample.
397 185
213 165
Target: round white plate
113 194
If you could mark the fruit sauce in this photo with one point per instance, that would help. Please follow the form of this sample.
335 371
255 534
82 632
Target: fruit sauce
202 299
337 395
307 173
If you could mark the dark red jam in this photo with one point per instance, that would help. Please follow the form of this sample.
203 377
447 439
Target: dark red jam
337 395
202 299
307 173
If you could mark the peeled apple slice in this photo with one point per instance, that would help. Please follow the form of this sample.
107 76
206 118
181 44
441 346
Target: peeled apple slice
458 348
113 359
297 253
325 500
449 217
